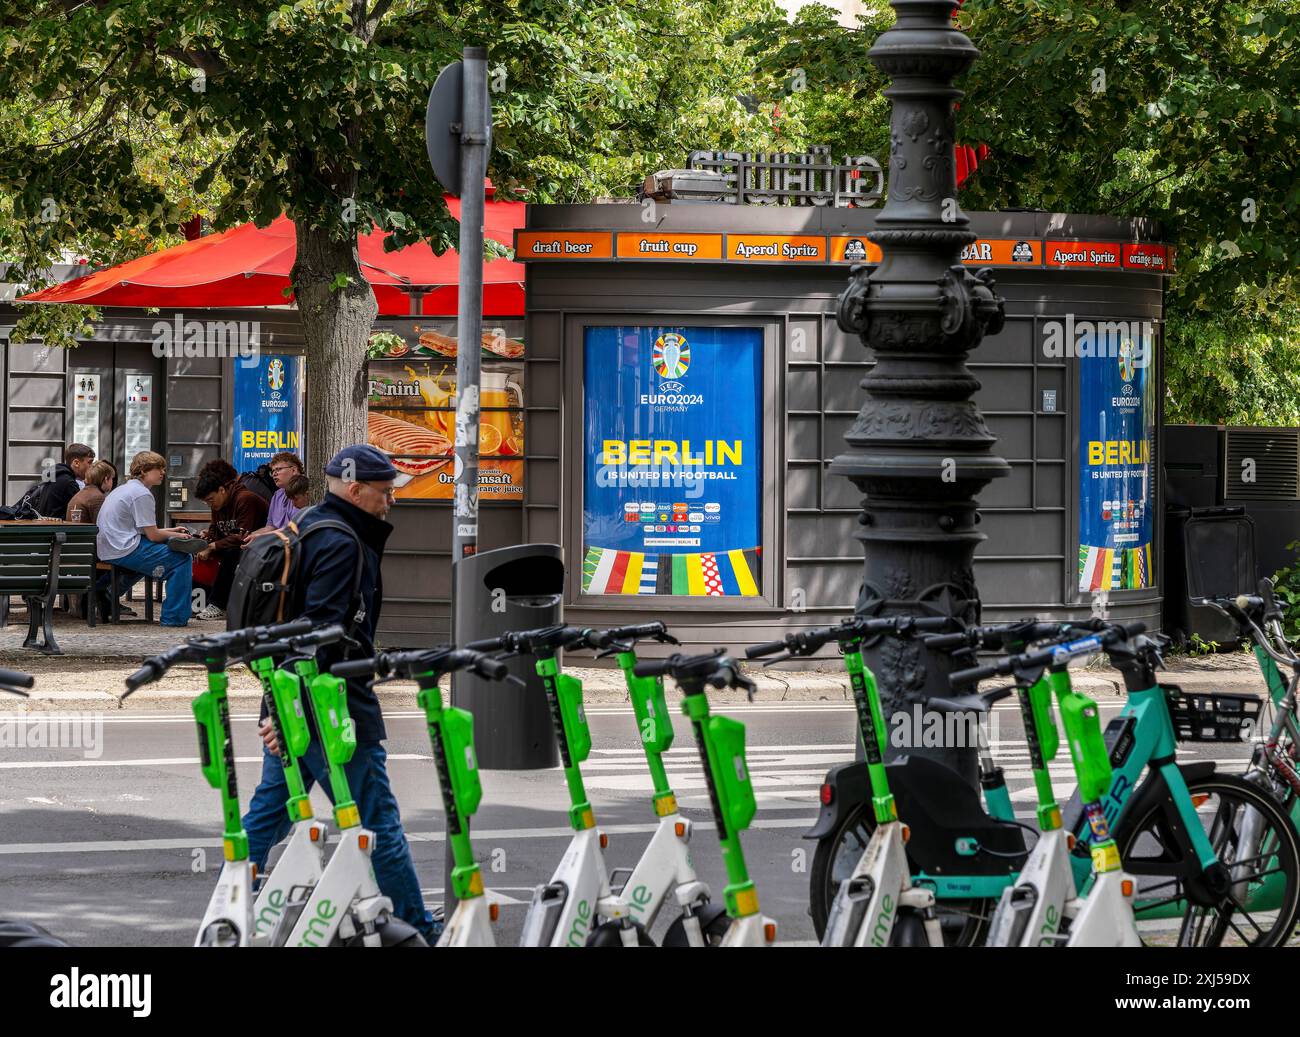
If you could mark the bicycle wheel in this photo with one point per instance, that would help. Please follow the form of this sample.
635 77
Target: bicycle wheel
964 922
1251 834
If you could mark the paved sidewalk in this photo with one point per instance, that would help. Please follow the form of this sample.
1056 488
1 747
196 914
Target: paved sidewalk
89 675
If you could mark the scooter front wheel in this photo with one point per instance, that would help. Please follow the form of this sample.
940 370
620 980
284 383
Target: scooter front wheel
964 922
393 933
609 934
714 923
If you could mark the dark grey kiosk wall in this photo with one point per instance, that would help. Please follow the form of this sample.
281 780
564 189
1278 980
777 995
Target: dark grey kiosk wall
1027 566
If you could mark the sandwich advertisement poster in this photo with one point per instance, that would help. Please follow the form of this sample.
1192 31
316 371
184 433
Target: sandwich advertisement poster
1116 462
412 407
673 476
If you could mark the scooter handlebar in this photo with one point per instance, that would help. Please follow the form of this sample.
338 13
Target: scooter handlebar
16 679
354 668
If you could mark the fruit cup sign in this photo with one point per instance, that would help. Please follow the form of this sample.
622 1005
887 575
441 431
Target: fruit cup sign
412 407
267 410
672 493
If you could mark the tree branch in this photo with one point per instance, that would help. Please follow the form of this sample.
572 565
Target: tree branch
376 16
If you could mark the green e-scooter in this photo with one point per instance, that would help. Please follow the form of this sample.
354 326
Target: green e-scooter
1044 902
284 667
665 865
880 893
721 743
577 903
451 735
228 920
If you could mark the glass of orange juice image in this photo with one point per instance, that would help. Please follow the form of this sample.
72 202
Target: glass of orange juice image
500 431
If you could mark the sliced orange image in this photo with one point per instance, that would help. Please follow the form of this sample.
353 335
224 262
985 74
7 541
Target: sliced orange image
489 439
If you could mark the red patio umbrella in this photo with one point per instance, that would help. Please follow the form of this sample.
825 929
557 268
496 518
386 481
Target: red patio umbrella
248 266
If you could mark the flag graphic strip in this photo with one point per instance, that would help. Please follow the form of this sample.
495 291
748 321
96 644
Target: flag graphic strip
632 578
617 569
744 575
589 567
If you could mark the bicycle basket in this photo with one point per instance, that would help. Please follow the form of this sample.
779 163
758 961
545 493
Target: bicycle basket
1217 716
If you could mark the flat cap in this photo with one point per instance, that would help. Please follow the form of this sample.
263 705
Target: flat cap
363 463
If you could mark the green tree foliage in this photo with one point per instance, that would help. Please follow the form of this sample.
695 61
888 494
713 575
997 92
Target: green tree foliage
1185 113
315 108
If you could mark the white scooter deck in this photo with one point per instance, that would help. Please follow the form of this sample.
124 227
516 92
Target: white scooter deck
868 902
300 866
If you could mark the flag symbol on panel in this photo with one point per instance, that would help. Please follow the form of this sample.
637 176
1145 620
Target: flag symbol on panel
731 573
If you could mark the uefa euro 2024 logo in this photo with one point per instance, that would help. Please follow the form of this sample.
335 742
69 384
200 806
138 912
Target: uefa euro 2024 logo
275 377
672 356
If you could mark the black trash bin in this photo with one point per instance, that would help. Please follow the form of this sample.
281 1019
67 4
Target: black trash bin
1209 552
511 588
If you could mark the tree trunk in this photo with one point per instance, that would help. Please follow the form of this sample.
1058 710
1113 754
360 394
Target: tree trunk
336 326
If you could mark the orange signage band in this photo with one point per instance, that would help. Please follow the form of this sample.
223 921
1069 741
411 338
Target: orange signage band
1098 255
1149 257
563 244
638 245
776 248
1003 252
850 248
1144 256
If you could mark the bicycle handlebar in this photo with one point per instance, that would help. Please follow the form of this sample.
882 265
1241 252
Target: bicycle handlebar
1001 636
806 642
1061 651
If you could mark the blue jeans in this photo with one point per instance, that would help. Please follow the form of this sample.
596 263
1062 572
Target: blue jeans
267 822
178 570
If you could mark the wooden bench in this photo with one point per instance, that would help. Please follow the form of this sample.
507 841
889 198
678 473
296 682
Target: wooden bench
38 562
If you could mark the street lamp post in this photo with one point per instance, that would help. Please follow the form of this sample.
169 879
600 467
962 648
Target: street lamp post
919 450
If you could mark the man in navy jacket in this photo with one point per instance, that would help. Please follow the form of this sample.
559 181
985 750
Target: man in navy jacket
360 493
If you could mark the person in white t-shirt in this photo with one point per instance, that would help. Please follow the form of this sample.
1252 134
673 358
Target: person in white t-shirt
130 537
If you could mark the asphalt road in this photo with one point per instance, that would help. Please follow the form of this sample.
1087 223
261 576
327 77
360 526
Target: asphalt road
119 844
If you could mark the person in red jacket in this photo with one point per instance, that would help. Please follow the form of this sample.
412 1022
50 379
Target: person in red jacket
236 512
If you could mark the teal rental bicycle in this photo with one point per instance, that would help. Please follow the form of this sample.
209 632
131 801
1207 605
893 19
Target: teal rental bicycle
1216 858
1179 828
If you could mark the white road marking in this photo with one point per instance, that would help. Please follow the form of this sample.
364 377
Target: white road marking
481 836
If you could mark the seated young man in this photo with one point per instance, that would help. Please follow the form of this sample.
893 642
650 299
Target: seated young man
236 512
67 480
130 538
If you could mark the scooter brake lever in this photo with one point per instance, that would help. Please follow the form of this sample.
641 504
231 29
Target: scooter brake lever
777 659
517 681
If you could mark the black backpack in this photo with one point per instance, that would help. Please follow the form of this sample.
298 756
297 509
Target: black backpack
259 481
268 569
28 506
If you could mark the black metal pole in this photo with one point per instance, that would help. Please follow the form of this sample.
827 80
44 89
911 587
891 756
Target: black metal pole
919 450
